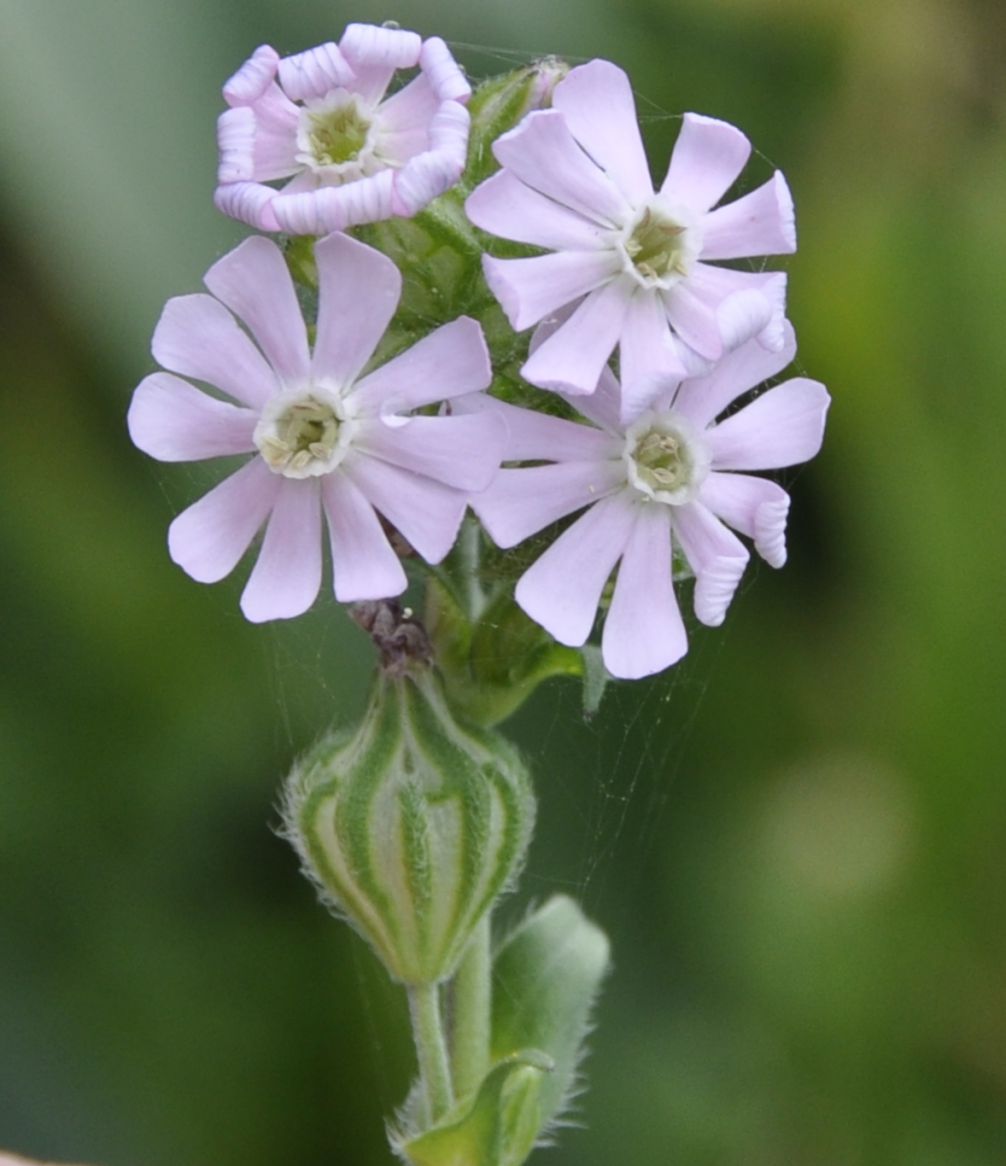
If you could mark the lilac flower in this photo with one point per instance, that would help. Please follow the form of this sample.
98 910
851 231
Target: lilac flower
671 482
321 121
634 263
326 439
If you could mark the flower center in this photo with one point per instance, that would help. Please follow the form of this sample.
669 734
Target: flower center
665 460
660 248
333 134
302 436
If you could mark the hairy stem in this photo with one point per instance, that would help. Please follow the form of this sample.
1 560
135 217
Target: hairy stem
471 1013
431 1050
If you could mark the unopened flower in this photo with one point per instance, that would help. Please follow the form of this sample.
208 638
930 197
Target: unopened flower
633 262
670 483
325 439
321 123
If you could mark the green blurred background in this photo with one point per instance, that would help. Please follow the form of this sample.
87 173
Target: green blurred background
796 839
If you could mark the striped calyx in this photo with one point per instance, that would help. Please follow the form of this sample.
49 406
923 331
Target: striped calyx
412 825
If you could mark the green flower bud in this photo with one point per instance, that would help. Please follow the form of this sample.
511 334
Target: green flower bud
412 825
498 104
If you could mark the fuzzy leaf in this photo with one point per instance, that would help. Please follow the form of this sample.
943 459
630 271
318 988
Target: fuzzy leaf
545 979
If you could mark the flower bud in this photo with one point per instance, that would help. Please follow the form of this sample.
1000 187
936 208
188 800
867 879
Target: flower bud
498 104
412 825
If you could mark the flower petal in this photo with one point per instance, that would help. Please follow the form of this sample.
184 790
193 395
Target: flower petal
596 100
542 152
717 557
253 78
285 579
643 630
250 152
463 451
505 206
209 538
649 359
782 427
529 289
447 363
756 507
694 320
358 291
315 72
376 53
336 208
521 502
747 303
248 202
197 337
175 422
534 436
703 399
437 169
254 282
404 119
426 513
448 82
562 589
760 223
706 160
572 359
363 564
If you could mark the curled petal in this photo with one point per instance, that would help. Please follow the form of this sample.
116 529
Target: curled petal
706 160
287 574
717 557
336 208
376 53
363 564
643 630
315 72
253 78
248 202
175 422
209 538
562 589
437 169
448 82
756 507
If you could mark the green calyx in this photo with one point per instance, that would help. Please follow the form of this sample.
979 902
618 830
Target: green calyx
412 825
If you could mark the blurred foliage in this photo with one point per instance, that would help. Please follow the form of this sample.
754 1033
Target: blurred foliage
796 839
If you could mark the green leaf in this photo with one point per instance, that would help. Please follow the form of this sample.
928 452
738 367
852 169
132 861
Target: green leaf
545 979
498 1128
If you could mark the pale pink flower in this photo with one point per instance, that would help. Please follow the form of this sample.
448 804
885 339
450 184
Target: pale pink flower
669 484
633 262
321 123
327 440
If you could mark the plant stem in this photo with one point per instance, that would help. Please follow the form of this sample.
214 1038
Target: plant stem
431 1049
471 1013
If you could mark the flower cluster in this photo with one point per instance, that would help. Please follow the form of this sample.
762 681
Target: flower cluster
645 346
